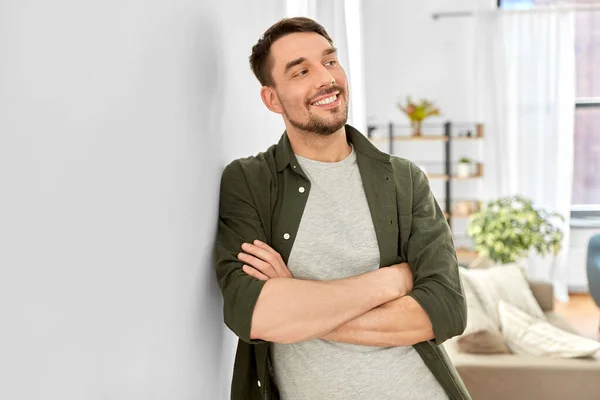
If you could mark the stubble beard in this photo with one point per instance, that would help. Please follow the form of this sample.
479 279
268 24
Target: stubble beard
321 126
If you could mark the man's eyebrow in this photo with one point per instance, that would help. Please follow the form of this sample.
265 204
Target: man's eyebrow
293 63
300 60
329 51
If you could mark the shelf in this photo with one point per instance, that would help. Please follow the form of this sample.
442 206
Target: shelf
441 138
457 215
460 215
445 177
425 138
463 208
465 256
454 178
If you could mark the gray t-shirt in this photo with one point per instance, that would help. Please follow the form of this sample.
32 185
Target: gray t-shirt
336 239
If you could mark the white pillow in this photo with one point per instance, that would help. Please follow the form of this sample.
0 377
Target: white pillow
481 335
478 319
507 283
525 334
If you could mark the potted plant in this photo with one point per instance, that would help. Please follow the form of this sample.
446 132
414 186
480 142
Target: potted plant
505 230
464 167
417 112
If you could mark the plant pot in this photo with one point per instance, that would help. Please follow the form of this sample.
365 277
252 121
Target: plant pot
416 128
463 170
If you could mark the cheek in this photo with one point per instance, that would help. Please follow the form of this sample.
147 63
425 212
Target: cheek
293 99
340 77
299 96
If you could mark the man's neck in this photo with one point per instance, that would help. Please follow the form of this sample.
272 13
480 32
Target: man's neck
330 148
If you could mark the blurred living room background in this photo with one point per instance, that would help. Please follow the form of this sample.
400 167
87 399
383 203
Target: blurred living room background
499 103
117 118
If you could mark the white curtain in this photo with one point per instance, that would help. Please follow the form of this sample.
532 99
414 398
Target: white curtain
342 20
525 94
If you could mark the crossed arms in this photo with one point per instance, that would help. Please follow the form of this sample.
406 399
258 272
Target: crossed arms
367 309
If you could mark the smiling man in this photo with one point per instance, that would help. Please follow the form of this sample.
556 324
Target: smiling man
336 264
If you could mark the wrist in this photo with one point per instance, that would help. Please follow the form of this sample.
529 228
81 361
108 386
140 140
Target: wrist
391 279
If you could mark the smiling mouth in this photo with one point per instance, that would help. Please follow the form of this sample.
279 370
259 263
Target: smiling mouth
328 100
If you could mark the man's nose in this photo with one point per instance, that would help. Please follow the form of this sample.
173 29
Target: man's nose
324 78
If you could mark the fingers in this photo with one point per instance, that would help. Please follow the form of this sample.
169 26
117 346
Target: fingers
265 252
258 264
252 272
277 261
265 246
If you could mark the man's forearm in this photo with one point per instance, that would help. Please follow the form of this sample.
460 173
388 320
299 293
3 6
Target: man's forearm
294 310
400 322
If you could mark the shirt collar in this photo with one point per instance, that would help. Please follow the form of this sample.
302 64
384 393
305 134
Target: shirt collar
361 144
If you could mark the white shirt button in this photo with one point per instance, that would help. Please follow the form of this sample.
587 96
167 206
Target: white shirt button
301 189
286 236
258 383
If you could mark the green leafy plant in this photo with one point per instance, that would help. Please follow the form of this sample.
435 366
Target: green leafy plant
466 160
505 230
418 111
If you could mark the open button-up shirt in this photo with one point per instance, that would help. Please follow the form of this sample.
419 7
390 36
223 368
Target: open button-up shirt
263 197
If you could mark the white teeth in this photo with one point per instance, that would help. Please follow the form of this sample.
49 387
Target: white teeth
326 101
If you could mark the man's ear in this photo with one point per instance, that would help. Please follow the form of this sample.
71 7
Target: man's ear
270 99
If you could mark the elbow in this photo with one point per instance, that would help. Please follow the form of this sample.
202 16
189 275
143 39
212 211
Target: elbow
255 333
261 330
273 337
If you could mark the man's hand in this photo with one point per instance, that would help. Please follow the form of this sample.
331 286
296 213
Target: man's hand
263 262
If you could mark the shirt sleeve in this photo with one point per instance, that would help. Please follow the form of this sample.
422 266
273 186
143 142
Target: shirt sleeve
432 257
239 222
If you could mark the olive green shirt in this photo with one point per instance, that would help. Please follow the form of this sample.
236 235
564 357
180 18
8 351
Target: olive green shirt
259 199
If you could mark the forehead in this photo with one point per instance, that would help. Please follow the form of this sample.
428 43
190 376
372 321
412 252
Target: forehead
309 45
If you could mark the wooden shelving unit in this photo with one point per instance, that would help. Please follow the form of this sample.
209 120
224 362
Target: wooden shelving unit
465 256
477 174
474 131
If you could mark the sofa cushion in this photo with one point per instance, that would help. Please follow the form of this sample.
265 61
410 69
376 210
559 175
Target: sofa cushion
525 334
544 294
506 283
481 335
483 342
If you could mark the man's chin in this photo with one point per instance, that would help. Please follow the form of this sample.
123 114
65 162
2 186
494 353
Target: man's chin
330 128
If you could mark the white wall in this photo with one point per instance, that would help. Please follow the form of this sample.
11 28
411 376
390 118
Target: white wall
116 119
409 53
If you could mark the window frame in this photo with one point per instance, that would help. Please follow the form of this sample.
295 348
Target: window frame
586 211
581 214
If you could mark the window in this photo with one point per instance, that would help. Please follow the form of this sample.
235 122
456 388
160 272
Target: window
586 168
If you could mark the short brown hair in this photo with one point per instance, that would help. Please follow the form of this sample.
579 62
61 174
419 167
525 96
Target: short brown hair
260 60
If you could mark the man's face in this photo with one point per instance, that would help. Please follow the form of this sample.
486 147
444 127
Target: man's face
310 86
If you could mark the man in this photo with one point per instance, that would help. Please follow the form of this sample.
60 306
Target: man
305 229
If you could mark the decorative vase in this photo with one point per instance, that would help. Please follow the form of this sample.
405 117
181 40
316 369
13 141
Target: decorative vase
464 170
416 127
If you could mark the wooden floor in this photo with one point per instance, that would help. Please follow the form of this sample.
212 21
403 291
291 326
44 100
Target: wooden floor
582 313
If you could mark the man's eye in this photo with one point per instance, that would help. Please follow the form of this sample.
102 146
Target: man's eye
302 72
332 62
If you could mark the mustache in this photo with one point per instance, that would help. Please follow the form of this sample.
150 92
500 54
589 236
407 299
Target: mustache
325 92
